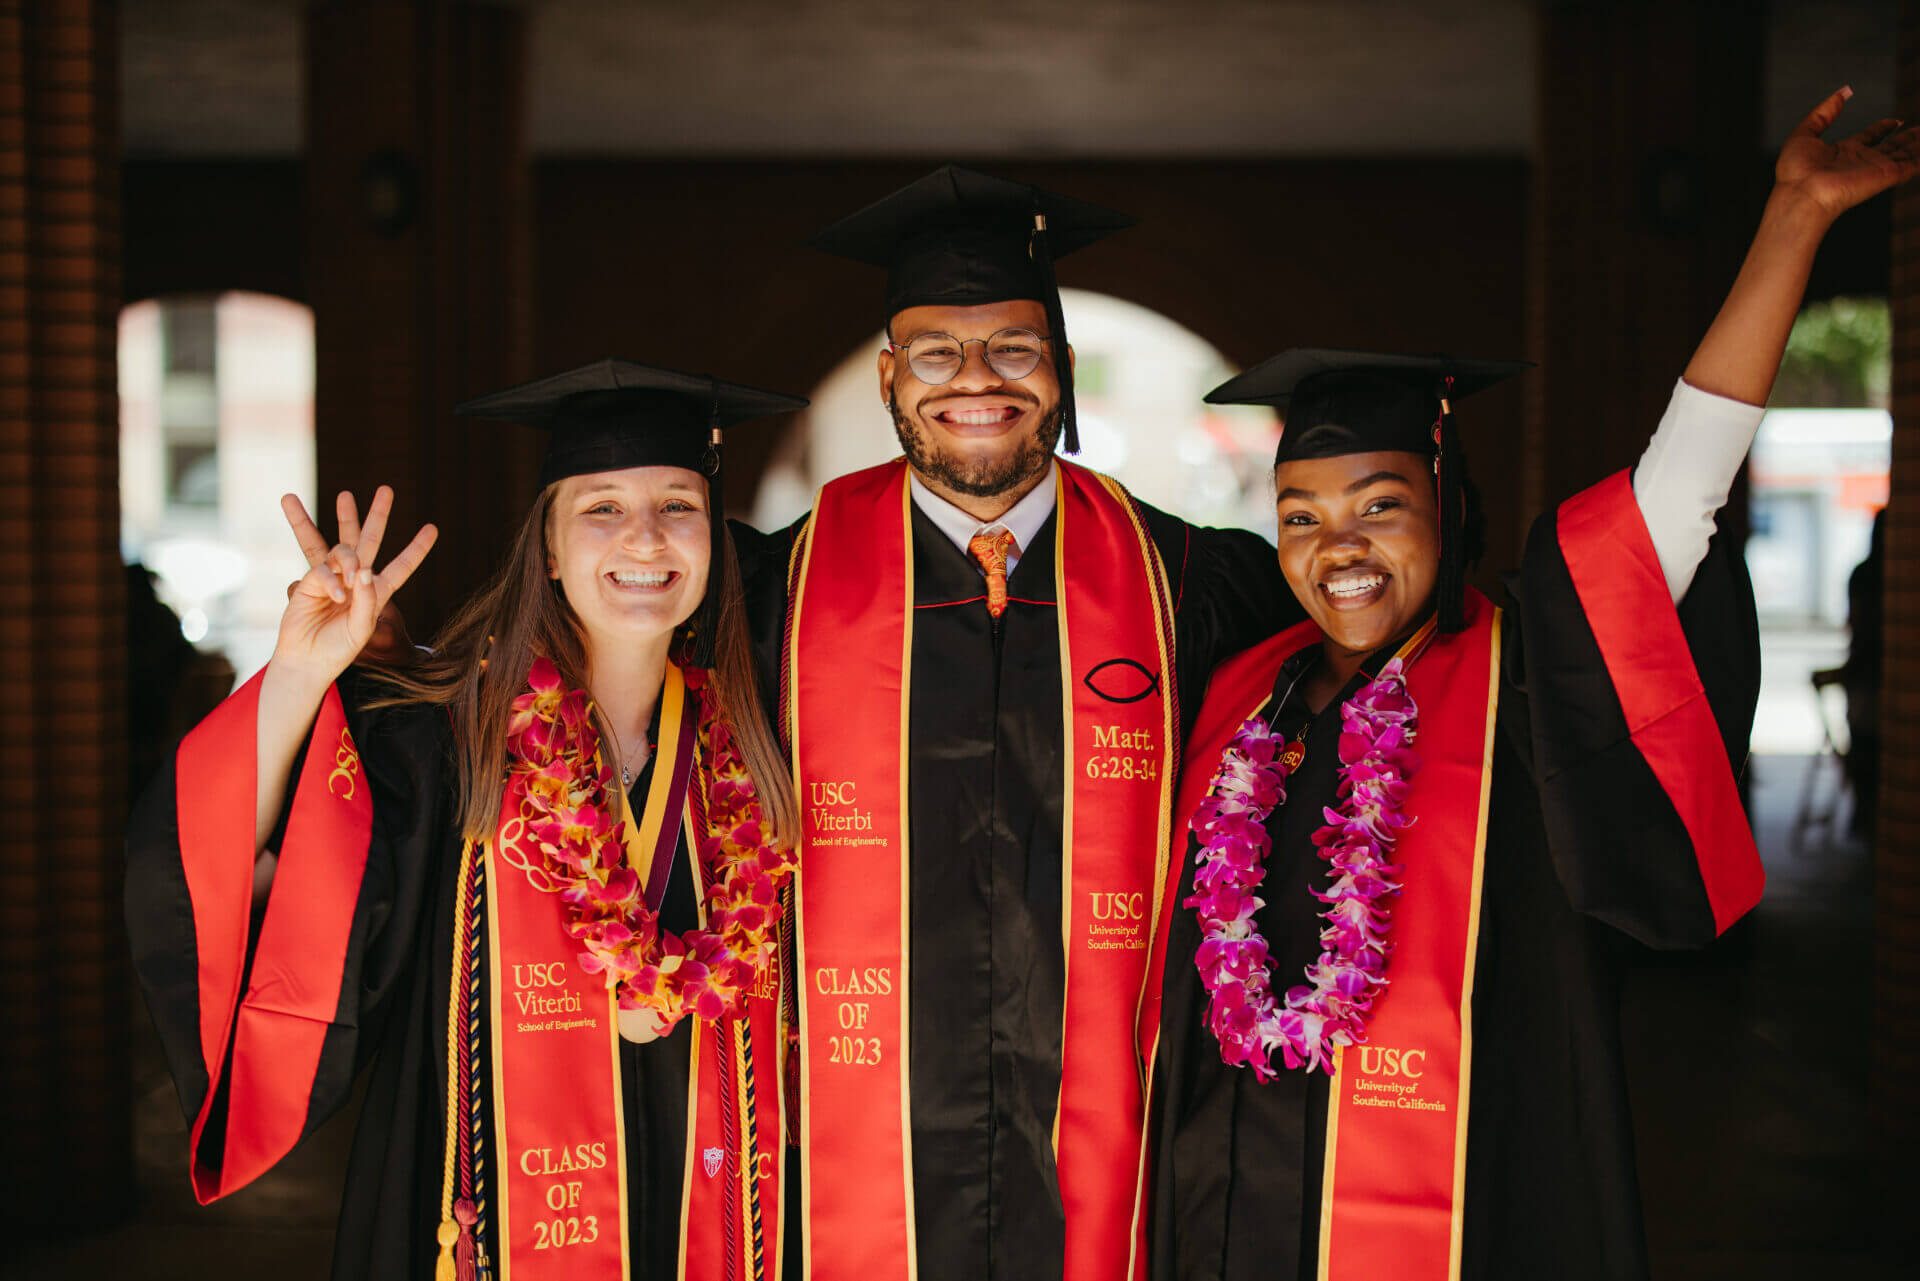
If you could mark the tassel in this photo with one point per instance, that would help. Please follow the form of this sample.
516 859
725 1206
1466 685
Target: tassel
448 1233
1449 478
703 627
463 1263
1042 253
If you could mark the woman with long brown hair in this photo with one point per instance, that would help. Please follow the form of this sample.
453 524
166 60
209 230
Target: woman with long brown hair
536 879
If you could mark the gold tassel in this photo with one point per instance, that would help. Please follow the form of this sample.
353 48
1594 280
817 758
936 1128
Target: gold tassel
449 1230
443 1266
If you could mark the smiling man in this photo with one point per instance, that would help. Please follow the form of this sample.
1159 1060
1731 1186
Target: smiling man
985 652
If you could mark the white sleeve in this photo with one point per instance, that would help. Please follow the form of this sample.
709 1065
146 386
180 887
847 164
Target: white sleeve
1686 473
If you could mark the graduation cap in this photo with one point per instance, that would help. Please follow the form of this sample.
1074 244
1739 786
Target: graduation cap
1356 402
615 414
959 238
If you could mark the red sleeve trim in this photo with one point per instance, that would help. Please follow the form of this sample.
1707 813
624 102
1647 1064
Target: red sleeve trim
294 991
1623 592
214 811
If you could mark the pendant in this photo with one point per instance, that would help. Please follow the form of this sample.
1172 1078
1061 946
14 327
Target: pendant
638 1026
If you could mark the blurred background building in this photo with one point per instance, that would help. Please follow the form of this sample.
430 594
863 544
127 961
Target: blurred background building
250 247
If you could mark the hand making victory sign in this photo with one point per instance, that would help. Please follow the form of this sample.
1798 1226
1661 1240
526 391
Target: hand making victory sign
331 615
335 610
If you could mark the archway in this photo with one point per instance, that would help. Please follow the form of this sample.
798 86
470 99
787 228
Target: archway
216 421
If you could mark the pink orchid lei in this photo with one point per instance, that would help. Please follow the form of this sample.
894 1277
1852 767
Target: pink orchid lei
1378 726
568 837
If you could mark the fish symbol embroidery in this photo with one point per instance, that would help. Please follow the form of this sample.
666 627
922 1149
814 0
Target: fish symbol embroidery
1121 680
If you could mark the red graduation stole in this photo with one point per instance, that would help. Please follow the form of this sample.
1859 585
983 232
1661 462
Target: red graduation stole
850 660
558 1114
1392 1190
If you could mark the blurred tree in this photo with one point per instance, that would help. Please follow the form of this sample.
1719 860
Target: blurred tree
1840 356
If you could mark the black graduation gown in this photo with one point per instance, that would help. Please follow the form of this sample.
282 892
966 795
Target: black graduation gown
1551 1189
984 780
392 1009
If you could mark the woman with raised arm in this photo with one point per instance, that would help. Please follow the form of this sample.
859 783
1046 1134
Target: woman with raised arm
1418 834
536 879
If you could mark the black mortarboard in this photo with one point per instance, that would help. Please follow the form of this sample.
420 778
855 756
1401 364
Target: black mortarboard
1356 402
615 414
620 413
958 238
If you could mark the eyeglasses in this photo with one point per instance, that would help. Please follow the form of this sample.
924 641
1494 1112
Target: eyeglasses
936 358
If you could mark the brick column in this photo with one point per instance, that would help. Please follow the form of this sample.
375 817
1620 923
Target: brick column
1649 174
64 1086
1896 1032
418 208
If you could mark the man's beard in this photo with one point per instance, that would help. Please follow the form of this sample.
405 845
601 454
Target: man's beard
977 478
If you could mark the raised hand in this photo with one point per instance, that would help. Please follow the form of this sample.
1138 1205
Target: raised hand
1815 181
332 612
1835 176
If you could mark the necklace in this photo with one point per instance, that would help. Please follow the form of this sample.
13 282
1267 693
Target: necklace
626 765
629 762
1378 726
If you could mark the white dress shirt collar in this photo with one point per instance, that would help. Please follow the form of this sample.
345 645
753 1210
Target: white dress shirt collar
1023 520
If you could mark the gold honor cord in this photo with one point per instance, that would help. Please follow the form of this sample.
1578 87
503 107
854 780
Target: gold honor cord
748 1149
458 974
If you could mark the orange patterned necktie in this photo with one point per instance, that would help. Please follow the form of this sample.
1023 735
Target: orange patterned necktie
991 551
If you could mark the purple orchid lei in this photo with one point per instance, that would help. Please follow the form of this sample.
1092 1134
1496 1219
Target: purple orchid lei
1378 726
